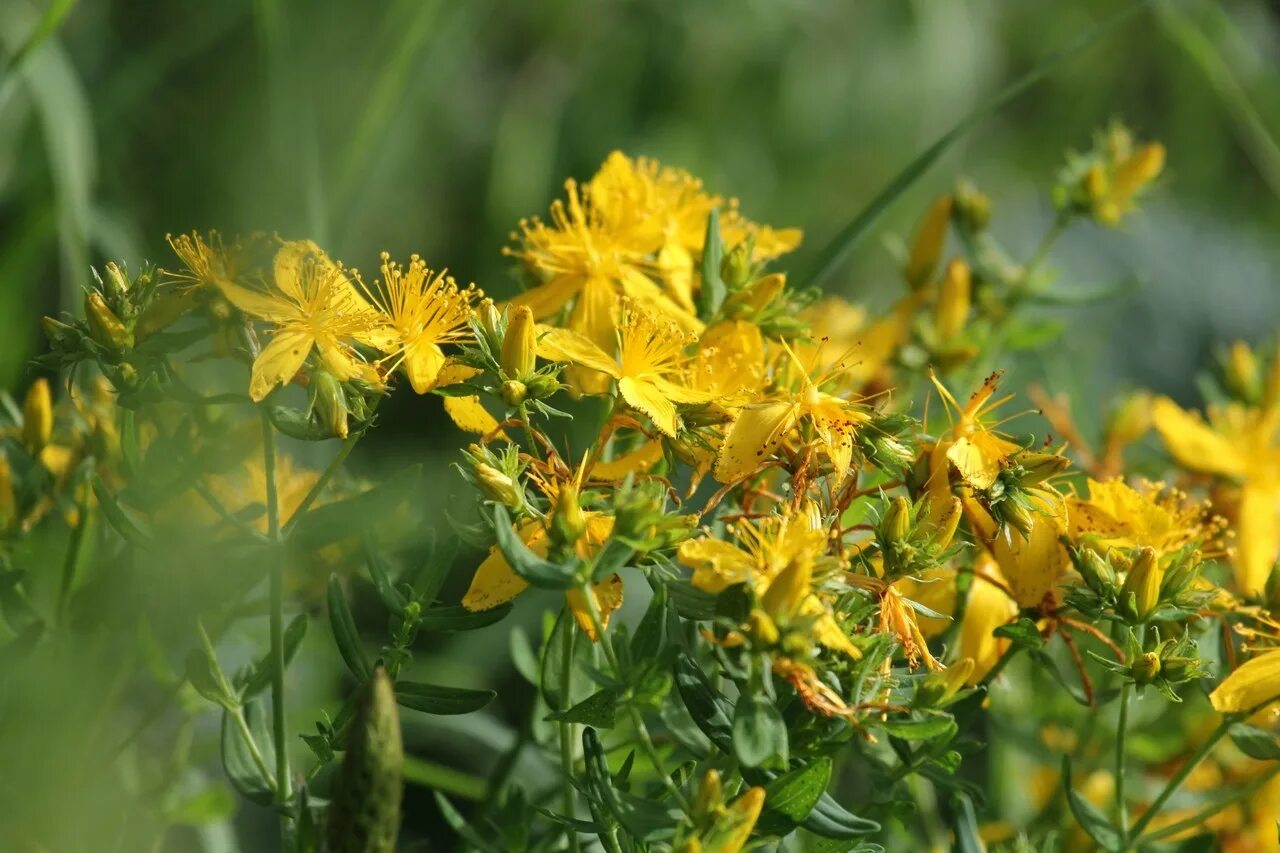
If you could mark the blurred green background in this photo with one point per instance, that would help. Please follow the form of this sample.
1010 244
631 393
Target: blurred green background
432 127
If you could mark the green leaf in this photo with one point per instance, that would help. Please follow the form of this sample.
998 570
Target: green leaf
705 706
759 733
792 796
853 233
49 23
1023 633
712 293
205 675
832 820
1255 742
355 516
1050 665
599 710
691 602
260 676
459 825
443 701
237 756
434 569
213 804
528 565
392 598
455 617
646 820
345 634
966 825
650 633
133 530
931 728
1090 818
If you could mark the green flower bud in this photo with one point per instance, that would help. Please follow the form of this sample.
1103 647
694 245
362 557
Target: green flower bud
364 814
1038 467
1096 571
735 269
514 392
972 208
540 386
1143 582
59 333
1145 669
330 403
1018 517
519 345
497 486
104 326
117 284
895 527
568 521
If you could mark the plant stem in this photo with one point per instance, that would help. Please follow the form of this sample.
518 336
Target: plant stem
261 763
1178 778
75 551
566 728
280 733
1212 809
325 476
1121 731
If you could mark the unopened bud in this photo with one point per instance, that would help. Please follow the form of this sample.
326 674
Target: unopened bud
1143 582
1243 374
710 795
972 208
788 589
1140 169
364 812
1178 668
947 523
104 326
58 332
8 500
490 319
37 416
497 486
1038 467
886 451
895 527
1096 571
514 392
117 283
568 521
330 403
735 269
519 345
926 249
758 296
763 630
952 308
1145 669
1018 517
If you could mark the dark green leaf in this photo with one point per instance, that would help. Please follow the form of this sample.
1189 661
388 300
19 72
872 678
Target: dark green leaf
260 675
792 796
832 820
122 521
435 699
598 710
344 632
449 618
1023 633
1255 742
692 603
650 633
930 728
434 568
356 515
966 825
1090 818
459 825
712 292
237 756
391 597
612 559
705 706
528 565
759 733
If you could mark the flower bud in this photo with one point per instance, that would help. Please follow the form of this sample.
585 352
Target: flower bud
541 385
1018 517
938 687
364 813
952 307
519 345
117 283
763 630
163 311
1038 467
568 521
926 250
947 523
735 269
1143 581
710 795
330 403
58 332
1243 374
497 486
104 326
1145 669
8 500
788 589
490 319
895 527
758 296
1096 571
514 392
37 416
972 208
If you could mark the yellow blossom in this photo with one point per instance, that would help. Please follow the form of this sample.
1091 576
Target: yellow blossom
650 365
1254 684
1117 515
1030 565
1112 185
425 310
208 260
313 305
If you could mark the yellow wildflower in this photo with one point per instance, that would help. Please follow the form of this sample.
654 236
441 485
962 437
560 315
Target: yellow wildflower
759 428
975 449
1241 445
209 262
1031 565
651 367
314 305
1253 685
1117 515
1112 185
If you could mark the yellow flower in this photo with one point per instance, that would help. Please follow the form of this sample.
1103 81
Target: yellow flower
1030 566
314 305
1241 445
426 310
209 262
759 428
1120 516
840 331
975 449
1254 684
651 367
1112 185
926 249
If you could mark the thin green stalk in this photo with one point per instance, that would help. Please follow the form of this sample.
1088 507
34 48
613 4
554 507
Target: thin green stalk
1213 808
75 552
237 714
440 777
637 719
280 733
1125 692
1178 778
1050 238
325 476
567 728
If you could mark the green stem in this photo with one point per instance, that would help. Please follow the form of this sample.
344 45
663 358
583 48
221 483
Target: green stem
1046 244
440 777
637 719
1123 726
325 476
75 553
567 728
1212 809
280 733
1178 778
237 714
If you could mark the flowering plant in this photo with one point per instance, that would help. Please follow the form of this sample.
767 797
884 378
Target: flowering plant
815 579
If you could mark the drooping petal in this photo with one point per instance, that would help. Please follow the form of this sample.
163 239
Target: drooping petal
645 396
470 415
1195 444
754 434
570 346
422 363
278 362
495 582
986 608
1254 683
608 598
1031 566
636 461
549 297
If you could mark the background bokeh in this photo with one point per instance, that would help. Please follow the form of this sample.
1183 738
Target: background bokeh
432 127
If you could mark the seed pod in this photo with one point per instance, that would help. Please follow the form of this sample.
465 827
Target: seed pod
37 416
519 345
514 392
104 326
364 815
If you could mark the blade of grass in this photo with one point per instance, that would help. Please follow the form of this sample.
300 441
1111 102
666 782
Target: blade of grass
857 228
48 25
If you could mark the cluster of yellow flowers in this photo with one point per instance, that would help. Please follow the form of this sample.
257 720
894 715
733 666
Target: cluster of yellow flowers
847 541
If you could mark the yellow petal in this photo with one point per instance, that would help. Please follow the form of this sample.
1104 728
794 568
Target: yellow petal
936 590
550 297
1254 683
1257 537
677 271
422 363
1031 566
755 433
469 415
608 598
568 345
258 303
716 564
454 372
978 457
278 362
594 316
647 398
637 461
1195 444
986 608
495 582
